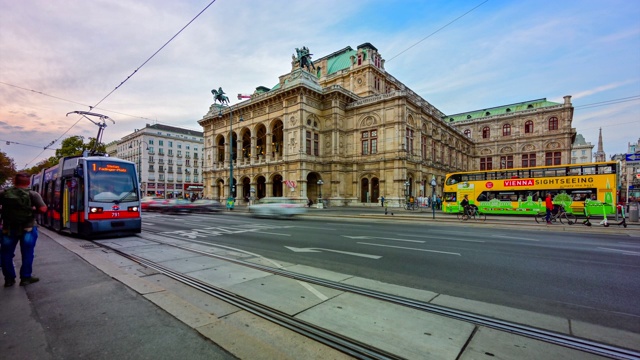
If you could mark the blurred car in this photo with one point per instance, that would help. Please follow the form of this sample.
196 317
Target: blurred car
277 207
153 204
206 206
176 206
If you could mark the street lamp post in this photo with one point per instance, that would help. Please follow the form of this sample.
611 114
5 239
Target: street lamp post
406 191
433 195
230 199
140 161
320 203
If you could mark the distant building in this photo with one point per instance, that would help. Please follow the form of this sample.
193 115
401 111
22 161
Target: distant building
630 182
169 160
352 132
600 154
581 151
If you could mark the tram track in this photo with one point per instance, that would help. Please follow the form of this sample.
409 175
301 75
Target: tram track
355 348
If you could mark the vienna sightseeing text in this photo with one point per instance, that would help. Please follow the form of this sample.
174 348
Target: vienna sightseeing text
554 181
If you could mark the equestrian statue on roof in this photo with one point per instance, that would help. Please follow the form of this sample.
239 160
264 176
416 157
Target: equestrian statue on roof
219 95
304 59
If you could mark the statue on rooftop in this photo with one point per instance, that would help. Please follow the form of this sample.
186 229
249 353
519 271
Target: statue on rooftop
219 95
304 58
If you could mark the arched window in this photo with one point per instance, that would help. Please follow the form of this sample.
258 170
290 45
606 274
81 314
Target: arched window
528 127
485 132
553 123
506 129
467 133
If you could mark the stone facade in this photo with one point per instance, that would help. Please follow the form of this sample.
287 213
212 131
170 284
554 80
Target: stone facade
581 151
363 134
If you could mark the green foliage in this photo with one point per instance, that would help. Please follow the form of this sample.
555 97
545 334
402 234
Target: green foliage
44 164
71 146
7 168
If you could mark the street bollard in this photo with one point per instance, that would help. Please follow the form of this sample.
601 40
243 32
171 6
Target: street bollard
633 212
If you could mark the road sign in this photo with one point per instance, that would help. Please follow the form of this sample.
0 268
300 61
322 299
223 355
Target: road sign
633 158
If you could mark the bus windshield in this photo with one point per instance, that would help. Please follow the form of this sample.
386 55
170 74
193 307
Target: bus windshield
112 182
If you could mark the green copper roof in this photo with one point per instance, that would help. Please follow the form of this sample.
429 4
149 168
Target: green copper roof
505 109
340 61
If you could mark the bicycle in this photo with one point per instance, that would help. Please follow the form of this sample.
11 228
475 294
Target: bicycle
410 205
558 214
472 212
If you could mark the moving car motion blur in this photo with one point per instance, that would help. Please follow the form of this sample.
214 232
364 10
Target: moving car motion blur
277 207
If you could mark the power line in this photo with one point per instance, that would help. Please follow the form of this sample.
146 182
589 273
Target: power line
609 102
74 102
433 33
128 77
9 142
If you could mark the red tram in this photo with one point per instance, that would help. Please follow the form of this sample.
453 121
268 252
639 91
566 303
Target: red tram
90 196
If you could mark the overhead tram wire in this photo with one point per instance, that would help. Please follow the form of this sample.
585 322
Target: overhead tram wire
128 77
75 102
433 33
609 102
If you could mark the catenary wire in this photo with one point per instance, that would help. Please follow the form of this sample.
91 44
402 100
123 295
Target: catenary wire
435 32
128 77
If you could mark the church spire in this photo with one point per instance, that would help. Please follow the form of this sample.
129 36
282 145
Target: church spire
600 155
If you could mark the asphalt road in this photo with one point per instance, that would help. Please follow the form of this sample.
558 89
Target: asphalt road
589 277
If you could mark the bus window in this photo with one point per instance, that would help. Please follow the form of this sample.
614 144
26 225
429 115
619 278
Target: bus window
453 179
450 196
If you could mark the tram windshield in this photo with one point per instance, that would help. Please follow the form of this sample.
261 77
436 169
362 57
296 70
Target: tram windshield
112 182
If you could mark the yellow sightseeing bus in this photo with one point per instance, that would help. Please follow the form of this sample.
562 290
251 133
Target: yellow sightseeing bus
523 190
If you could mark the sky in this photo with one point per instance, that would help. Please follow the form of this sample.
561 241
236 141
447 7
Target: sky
70 55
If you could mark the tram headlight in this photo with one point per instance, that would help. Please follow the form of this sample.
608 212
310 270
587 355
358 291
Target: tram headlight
95 210
132 208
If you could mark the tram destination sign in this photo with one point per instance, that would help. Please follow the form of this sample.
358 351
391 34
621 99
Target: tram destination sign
633 158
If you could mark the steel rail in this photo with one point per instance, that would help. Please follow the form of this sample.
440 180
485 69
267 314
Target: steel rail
585 345
339 342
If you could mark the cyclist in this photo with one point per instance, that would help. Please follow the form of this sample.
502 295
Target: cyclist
549 206
465 205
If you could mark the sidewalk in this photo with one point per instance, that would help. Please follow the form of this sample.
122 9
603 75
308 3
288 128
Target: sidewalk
91 303
76 311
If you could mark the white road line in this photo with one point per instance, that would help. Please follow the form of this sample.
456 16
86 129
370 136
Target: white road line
441 238
270 233
402 247
514 237
624 252
311 227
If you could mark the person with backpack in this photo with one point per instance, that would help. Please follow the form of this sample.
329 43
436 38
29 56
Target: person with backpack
18 226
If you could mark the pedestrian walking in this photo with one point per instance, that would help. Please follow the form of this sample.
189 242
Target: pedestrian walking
382 201
549 205
18 207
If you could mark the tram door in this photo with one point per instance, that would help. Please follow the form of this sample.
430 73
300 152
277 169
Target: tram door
72 208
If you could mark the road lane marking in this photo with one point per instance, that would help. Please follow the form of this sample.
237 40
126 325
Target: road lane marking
407 248
295 249
514 237
313 228
441 238
270 233
364 237
624 252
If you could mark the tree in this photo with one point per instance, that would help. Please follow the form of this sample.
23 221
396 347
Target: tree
75 145
7 168
44 164
71 146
